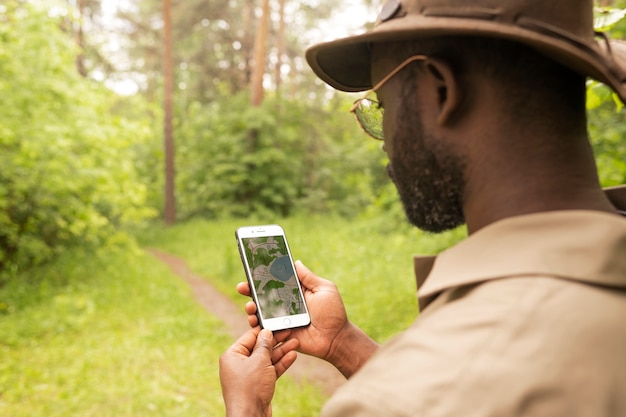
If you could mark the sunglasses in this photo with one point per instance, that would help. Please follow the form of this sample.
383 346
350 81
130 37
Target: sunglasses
368 112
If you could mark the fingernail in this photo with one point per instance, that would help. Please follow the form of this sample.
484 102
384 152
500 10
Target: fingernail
266 334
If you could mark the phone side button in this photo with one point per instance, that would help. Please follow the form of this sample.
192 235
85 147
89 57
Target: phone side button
287 322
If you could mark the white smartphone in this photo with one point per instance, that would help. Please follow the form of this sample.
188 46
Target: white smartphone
274 284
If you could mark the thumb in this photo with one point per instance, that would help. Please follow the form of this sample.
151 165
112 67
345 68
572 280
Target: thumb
306 276
264 344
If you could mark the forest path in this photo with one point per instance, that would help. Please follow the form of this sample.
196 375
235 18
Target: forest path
306 368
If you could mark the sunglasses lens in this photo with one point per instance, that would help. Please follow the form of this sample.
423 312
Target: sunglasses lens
370 116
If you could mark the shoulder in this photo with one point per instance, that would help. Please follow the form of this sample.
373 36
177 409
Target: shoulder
490 347
411 374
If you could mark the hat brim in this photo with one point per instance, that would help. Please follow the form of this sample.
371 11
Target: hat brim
345 63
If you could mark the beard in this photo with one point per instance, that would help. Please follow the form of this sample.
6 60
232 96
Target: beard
428 177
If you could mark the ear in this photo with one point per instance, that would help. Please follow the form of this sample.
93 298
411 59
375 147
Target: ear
447 87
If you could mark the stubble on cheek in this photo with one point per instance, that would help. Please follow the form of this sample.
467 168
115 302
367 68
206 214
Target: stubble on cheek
429 179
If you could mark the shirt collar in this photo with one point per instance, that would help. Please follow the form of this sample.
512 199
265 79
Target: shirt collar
584 246
617 196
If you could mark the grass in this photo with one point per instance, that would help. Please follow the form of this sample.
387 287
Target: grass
113 333
370 262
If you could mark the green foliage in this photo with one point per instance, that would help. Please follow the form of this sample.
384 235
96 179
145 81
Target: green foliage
114 333
304 154
283 157
68 175
607 129
608 20
607 121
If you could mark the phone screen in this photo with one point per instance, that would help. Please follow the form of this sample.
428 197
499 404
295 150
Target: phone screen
273 280
273 276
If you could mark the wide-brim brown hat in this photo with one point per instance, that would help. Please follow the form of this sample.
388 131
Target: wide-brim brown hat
560 29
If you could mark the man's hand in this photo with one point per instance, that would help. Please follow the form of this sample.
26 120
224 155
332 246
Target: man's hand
330 336
249 370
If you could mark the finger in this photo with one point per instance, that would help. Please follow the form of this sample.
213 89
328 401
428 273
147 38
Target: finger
284 348
282 335
264 344
307 278
243 288
284 363
250 307
246 342
253 321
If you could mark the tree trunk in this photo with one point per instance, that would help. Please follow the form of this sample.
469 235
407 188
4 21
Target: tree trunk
80 40
280 45
260 53
248 39
168 134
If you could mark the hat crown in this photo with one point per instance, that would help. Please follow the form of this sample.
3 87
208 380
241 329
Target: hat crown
571 18
562 30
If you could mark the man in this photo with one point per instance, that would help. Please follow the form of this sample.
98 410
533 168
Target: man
484 124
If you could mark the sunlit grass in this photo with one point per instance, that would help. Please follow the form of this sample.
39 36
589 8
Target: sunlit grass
370 263
115 334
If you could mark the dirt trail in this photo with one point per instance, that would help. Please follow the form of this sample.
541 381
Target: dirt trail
306 368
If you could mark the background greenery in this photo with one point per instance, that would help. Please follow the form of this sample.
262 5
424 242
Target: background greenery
89 324
112 333
68 172
79 161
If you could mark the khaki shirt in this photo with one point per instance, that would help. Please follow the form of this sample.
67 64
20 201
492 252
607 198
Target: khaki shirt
526 317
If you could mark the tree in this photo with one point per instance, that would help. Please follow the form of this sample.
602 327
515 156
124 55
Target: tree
239 158
168 129
280 45
86 26
260 54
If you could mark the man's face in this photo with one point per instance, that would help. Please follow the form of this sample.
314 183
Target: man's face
427 174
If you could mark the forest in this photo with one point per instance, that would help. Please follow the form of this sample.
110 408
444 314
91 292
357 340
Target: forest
117 113
129 124
81 159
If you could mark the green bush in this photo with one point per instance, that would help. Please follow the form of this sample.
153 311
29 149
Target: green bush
283 157
68 176
607 129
